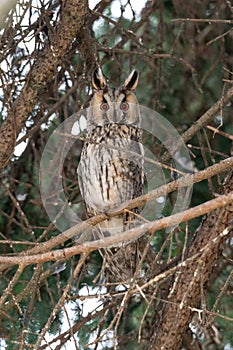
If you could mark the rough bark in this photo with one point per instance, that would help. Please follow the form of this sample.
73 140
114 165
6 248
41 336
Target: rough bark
193 278
72 25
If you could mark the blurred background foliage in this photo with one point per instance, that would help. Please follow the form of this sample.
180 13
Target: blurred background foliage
185 66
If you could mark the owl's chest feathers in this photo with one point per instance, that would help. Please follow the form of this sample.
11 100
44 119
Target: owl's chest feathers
114 131
110 166
115 145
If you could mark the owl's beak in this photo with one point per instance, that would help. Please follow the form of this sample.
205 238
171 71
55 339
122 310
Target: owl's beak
115 118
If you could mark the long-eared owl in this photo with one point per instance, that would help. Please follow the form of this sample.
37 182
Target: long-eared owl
110 171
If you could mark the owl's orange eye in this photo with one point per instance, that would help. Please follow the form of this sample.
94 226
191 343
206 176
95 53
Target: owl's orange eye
104 107
124 106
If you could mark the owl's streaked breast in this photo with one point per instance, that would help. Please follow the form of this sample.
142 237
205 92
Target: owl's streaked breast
111 165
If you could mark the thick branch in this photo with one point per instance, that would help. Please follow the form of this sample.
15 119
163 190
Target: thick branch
74 15
184 181
134 233
187 290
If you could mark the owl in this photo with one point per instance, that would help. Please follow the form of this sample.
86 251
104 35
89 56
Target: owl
110 171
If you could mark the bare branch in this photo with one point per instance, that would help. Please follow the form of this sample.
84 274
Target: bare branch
73 19
132 234
207 243
203 20
201 122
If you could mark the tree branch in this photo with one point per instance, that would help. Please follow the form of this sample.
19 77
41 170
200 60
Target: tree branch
201 122
186 293
62 254
184 181
74 14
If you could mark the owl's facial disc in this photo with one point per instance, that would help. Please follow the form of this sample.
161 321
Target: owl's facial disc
114 106
119 107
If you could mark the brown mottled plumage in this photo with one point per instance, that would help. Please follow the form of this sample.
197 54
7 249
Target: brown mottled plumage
110 172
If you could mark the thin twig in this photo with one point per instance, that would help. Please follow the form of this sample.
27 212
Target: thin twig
203 20
201 122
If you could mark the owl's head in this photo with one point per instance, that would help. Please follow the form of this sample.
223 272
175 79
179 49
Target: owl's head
110 105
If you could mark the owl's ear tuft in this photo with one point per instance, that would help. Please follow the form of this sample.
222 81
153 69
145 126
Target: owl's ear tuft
98 79
132 81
